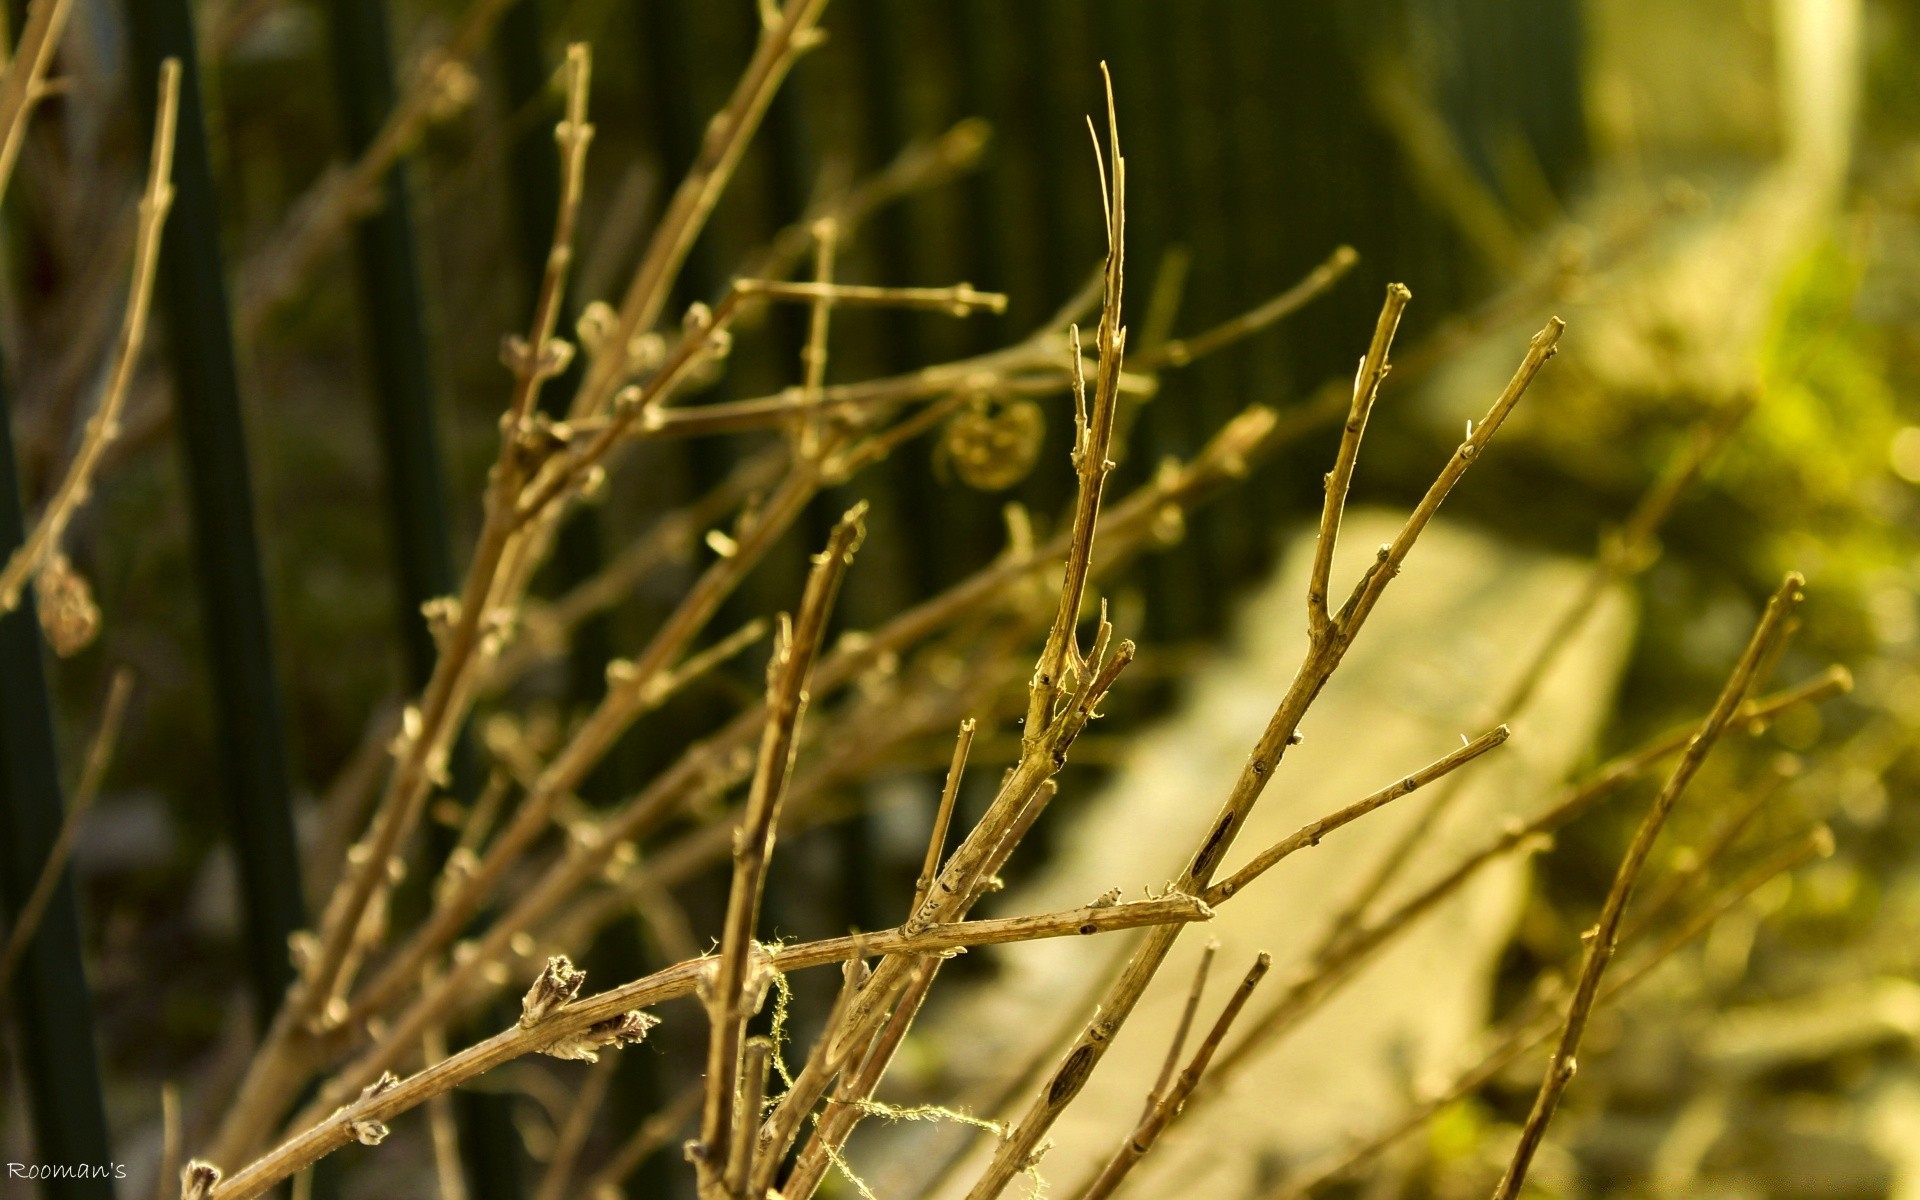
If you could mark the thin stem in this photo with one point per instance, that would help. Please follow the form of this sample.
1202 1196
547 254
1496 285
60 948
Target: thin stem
99 758
1180 1030
943 817
23 84
442 1126
1366 389
1181 351
449 690
847 1106
958 300
572 1137
734 996
1311 833
320 218
1532 1031
1165 1107
744 1158
1324 973
813 356
828 1058
779 47
1603 939
1325 651
653 1134
104 426
1621 554
166 1180
1093 441
921 164
328 1133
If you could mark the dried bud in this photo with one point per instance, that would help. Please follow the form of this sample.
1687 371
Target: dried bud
460 866
302 948
454 87
515 354
410 726
1169 525
722 543
596 322
555 357
584 835
368 1132
442 614
198 1179
646 351
624 857
628 1029
542 437
68 615
993 443
554 990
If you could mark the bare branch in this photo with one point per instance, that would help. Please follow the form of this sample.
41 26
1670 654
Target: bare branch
733 998
1163 1108
1603 940
99 757
1366 388
44 542
1311 833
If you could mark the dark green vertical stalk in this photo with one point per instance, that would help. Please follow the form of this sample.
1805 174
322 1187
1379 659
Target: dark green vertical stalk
250 732
394 306
50 997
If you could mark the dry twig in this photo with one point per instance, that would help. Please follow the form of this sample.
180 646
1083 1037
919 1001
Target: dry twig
99 757
44 542
1603 939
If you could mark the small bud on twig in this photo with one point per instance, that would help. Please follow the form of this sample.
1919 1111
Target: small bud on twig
554 990
628 1029
198 1179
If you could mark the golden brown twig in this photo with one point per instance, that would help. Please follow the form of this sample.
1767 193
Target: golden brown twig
44 542
1311 833
1535 1028
1603 940
1327 646
780 46
1164 1106
558 1028
735 996
23 84
942 818
1181 351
